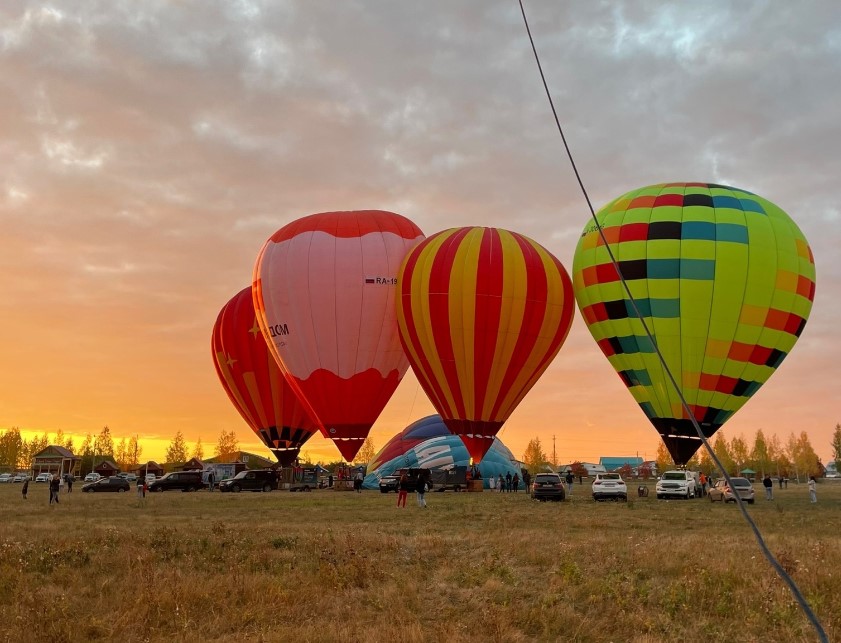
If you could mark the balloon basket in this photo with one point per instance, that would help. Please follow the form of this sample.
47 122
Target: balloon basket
476 485
343 485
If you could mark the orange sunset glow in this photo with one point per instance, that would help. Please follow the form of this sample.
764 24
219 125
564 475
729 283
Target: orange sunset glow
149 151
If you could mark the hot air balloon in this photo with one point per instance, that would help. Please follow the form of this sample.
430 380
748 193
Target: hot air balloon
428 443
324 289
724 280
482 313
255 384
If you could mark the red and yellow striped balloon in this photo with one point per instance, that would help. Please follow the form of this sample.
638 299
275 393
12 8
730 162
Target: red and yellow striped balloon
482 312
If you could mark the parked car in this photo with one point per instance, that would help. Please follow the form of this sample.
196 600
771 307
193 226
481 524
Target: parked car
609 485
5 477
43 477
392 482
92 477
254 480
115 483
677 484
129 477
548 486
178 481
723 492
150 478
21 477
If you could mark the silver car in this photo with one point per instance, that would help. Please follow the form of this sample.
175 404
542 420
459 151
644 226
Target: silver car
723 492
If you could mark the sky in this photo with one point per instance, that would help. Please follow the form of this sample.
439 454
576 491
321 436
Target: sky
149 149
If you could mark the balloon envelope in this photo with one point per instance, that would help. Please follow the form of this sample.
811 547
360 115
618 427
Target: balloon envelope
324 289
428 443
724 280
482 313
255 384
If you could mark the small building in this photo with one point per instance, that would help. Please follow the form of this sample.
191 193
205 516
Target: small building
244 459
150 467
106 469
630 464
193 464
54 460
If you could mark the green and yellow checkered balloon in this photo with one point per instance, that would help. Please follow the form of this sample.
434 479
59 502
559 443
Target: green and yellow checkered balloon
724 280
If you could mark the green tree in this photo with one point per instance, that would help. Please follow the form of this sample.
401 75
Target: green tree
836 445
705 462
366 452
176 452
11 446
135 451
227 446
534 456
739 453
198 450
759 460
803 457
121 458
722 451
663 459
104 443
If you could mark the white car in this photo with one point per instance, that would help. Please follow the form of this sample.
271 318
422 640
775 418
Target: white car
150 478
609 485
21 477
677 484
44 477
5 477
92 477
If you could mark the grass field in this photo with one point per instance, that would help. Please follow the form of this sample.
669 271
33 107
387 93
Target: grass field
337 566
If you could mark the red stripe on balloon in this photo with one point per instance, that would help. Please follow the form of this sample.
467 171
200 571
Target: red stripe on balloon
423 371
440 274
489 281
349 224
527 328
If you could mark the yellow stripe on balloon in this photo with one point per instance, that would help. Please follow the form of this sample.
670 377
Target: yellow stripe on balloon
462 314
222 363
548 329
514 289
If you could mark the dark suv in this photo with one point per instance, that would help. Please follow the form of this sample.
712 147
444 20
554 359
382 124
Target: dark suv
392 482
178 480
256 480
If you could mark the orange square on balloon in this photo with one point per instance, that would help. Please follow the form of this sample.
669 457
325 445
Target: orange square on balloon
753 315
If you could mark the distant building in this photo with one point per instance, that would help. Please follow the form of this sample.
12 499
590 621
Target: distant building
193 464
248 460
831 469
54 460
150 467
616 463
106 469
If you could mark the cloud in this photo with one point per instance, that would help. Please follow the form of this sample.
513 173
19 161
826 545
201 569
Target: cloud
149 149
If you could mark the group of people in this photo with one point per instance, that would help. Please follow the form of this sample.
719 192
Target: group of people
419 485
55 483
507 484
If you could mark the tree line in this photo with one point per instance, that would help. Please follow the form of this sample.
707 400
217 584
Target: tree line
796 458
16 452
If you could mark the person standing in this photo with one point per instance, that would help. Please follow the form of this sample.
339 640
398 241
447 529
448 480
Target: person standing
403 490
69 479
357 482
421 491
769 487
25 489
813 490
508 482
54 485
139 487
210 480
570 479
780 480
703 480
515 481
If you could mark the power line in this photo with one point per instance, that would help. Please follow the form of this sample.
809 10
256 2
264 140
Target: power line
758 535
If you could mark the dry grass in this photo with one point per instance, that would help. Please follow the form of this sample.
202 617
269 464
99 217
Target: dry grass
350 567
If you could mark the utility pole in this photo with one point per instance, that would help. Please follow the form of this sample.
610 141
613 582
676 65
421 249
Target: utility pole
554 455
